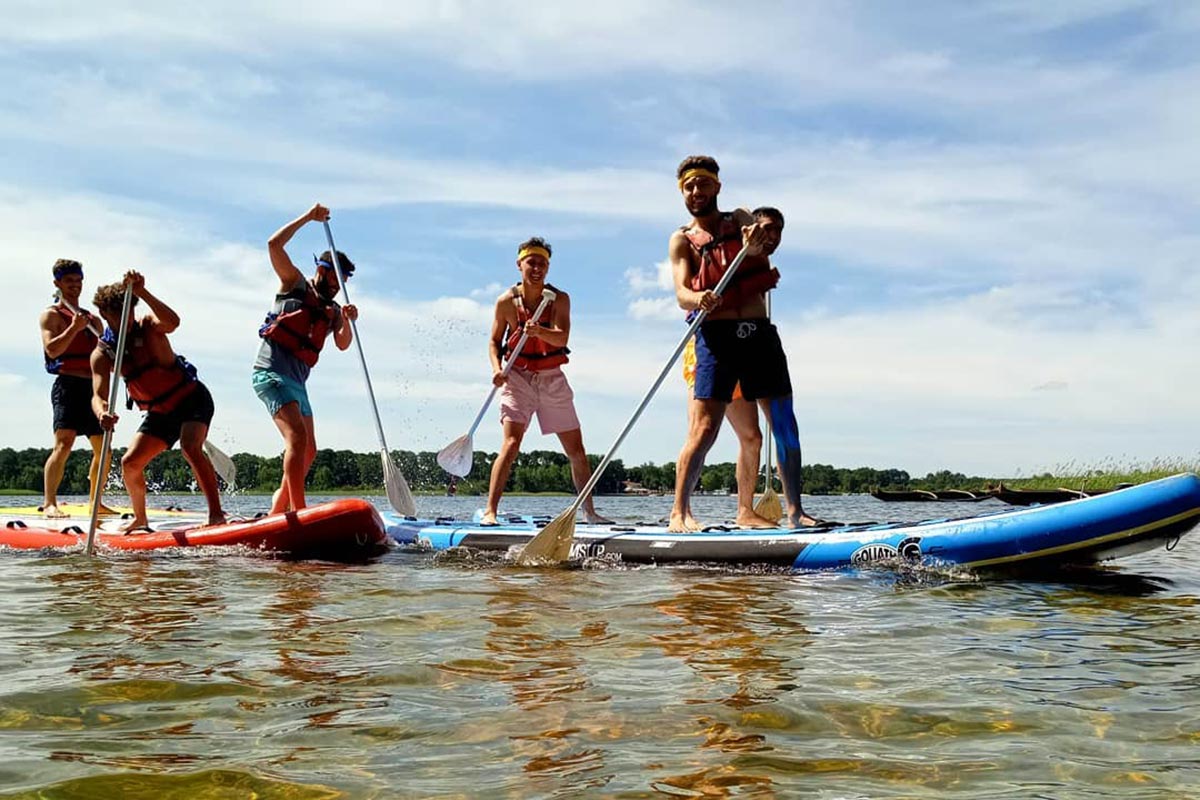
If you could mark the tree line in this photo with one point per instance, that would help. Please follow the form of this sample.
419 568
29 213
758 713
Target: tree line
534 471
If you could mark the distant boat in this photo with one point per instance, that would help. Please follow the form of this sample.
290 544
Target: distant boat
924 495
962 495
904 495
1030 497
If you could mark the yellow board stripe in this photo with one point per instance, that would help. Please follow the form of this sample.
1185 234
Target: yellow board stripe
1066 548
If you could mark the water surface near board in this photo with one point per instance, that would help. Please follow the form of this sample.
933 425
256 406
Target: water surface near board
229 676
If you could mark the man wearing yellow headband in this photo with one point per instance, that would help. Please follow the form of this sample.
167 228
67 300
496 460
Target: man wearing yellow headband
736 345
68 339
536 383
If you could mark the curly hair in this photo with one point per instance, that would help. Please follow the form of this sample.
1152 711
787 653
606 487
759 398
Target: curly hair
343 260
535 241
64 266
707 163
770 212
111 297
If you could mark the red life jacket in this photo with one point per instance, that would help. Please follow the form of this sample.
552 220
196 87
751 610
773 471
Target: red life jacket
303 330
714 254
78 355
152 386
537 354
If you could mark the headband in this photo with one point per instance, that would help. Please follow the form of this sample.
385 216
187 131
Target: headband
533 250
320 262
68 269
697 172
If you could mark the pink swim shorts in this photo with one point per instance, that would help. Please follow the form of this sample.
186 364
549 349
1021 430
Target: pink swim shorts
545 393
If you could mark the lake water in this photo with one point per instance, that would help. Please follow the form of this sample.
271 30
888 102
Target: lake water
192 675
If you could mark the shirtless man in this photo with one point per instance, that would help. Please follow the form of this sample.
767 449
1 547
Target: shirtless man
536 384
741 413
178 406
67 343
737 343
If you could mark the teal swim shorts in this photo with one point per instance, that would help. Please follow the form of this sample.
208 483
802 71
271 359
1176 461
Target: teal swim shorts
276 391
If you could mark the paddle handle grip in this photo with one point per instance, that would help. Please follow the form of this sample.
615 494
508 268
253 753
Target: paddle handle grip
74 310
691 331
106 443
547 298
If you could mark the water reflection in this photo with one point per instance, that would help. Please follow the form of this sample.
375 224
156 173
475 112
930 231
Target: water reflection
742 639
536 646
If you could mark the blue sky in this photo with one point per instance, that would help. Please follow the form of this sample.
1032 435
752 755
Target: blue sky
990 263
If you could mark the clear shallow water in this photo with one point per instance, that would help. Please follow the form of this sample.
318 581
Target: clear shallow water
203 676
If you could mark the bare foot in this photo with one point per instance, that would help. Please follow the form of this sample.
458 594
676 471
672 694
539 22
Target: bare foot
488 519
595 519
749 519
683 524
105 511
215 519
136 526
805 521
52 511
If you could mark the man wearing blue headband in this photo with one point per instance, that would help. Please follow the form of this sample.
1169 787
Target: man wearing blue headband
67 343
302 317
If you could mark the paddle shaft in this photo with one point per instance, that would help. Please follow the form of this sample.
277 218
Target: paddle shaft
691 331
770 430
106 444
362 359
546 300
211 450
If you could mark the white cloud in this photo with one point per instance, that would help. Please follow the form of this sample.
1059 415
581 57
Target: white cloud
648 280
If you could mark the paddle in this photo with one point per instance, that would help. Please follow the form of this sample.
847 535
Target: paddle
457 457
222 464
398 493
552 544
106 445
768 506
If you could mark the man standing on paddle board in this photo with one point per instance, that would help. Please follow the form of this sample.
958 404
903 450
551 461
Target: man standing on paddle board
736 344
67 344
742 413
178 406
303 316
536 383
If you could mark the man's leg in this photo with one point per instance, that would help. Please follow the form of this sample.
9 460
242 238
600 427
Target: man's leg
191 442
743 418
52 473
704 422
581 472
143 448
298 437
514 432
782 419
98 473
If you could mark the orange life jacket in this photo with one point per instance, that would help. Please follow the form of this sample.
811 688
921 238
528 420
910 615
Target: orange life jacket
714 254
78 355
149 384
537 354
303 330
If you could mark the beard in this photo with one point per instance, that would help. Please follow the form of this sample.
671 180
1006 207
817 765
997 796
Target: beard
708 209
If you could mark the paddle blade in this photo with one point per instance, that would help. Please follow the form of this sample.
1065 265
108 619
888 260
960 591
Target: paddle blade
398 493
222 464
768 506
457 457
552 545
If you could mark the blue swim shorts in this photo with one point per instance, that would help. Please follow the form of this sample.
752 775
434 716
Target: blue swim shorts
276 391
